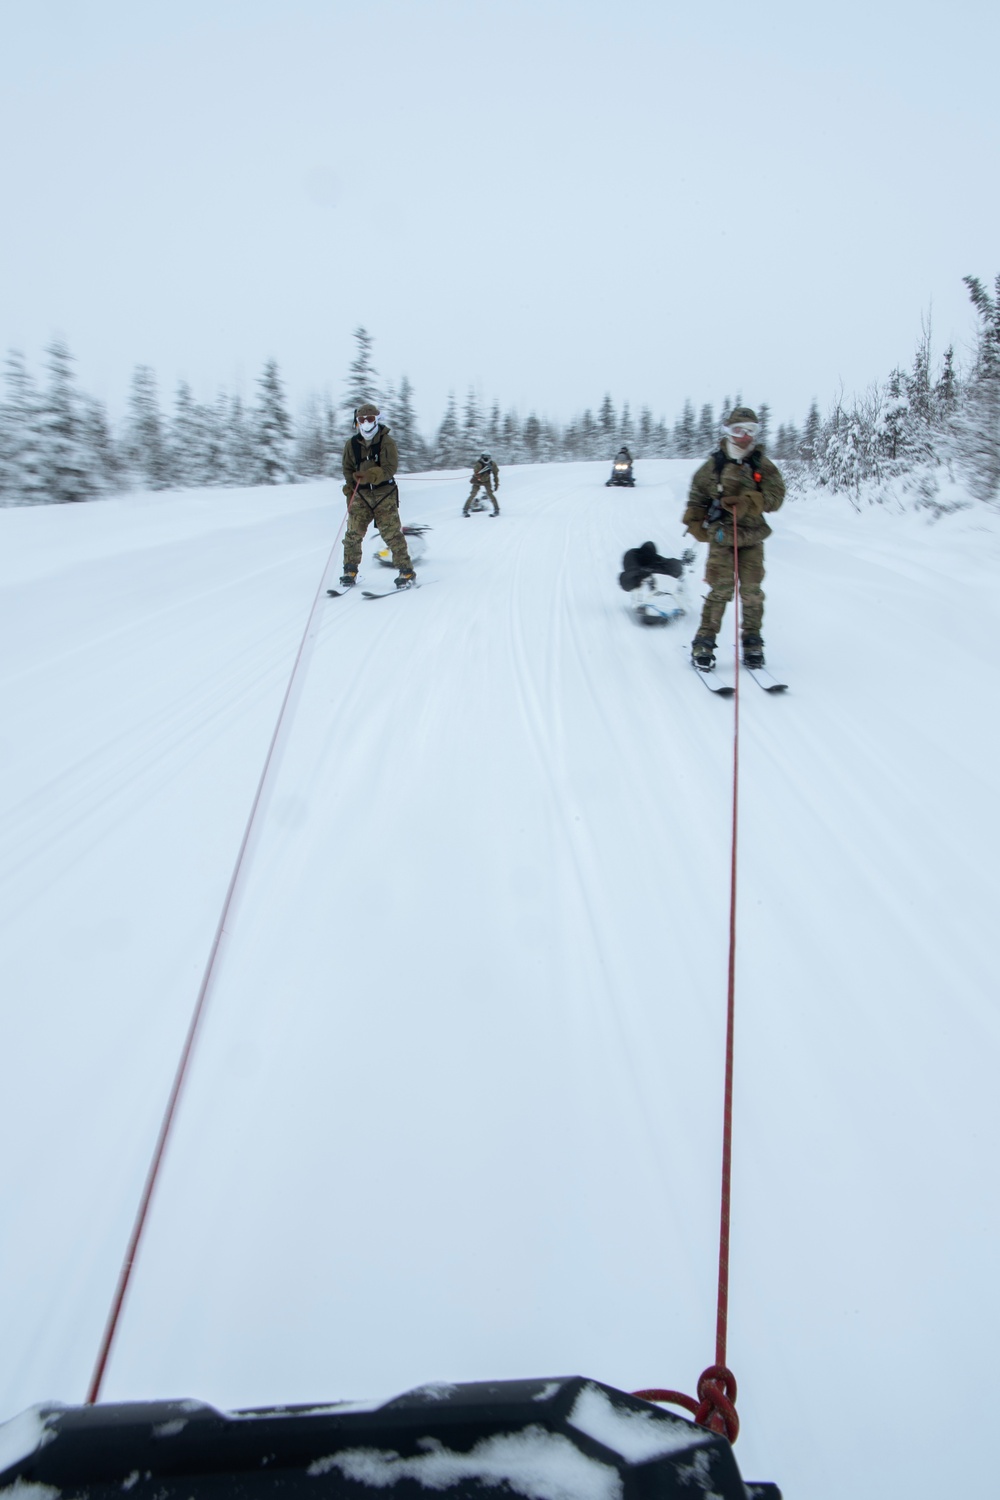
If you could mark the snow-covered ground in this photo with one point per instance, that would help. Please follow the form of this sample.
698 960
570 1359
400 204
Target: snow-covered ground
455 1112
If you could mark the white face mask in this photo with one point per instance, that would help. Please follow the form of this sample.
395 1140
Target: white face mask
368 428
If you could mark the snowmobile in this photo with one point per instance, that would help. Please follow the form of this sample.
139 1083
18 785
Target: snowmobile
459 1441
415 544
651 604
621 470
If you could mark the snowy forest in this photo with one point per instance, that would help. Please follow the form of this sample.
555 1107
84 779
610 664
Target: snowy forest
58 444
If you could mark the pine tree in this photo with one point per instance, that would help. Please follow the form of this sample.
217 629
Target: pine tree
894 421
591 445
707 433
809 443
977 423
310 443
512 445
95 431
145 446
472 422
184 440
531 436
608 424
945 393
23 470
493 427
361 383
764 417
239 458
448 446
68 472
272 430
412 448
685 433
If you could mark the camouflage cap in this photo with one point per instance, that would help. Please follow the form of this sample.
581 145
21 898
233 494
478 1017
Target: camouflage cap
742 414
366 409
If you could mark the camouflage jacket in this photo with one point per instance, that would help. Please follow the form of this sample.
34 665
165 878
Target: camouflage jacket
482 472
381 448
754 484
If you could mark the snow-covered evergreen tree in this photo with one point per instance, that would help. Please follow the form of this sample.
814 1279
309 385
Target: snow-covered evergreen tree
68 469
511 442
184 441
591 444
852 444
310 441
626 428
472 425
145 443
493 428
361 383
810 441
95 431
977 422
707 436
413 454
21 444
686 433
945 393
238 456
272 430
607 422
449 449
531 437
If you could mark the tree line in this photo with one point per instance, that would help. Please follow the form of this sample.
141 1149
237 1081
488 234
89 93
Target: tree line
58 445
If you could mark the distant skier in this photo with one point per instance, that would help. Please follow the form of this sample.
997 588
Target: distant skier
370 462
738 482
485 475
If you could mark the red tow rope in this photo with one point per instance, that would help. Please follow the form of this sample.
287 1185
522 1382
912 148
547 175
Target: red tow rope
715 1407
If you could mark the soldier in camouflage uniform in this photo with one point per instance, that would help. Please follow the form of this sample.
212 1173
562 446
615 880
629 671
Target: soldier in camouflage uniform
730 494
370 462
483 471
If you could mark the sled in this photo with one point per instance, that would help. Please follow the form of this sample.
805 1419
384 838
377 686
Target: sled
461 1442
415 546
654 606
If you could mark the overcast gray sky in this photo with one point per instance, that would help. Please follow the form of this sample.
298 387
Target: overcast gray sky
545 199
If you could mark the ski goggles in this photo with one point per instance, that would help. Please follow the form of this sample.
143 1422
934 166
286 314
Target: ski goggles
741 429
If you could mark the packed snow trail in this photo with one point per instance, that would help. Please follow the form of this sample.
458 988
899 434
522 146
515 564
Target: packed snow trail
456 1110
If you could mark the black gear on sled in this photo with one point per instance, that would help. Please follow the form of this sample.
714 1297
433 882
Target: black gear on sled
640 563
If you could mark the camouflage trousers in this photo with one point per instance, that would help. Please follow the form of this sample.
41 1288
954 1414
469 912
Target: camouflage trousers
385 514
721 587
478 484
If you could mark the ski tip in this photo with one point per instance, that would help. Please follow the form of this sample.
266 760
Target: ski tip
777 687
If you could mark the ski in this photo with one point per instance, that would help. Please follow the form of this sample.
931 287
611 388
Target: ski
337 593
766 680
724 690
389 593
